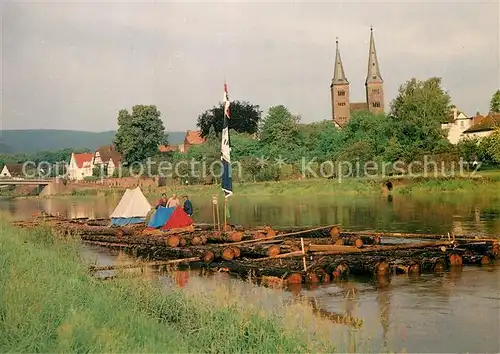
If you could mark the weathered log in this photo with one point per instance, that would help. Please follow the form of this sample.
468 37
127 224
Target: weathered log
352 241
236 251
232 236
434 265
173 240
455 260
261 250
214 254
406 266
140 265
335 249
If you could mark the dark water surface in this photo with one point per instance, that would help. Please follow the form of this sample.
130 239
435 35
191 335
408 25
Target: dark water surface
453 312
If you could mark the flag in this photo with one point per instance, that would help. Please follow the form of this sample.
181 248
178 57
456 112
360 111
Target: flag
227 184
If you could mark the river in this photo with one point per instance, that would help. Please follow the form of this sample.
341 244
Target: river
457 311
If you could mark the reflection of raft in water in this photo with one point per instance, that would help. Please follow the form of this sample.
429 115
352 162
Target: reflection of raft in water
307 255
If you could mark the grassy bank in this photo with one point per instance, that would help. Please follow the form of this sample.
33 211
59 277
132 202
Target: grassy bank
484 182
49 303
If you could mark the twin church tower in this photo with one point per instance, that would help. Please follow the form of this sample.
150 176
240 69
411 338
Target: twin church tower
341 104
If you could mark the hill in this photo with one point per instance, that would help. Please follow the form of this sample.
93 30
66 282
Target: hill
28 141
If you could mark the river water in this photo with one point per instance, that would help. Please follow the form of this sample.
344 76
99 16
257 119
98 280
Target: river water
453 312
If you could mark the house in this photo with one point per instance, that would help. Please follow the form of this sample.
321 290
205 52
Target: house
457 123
113 163
167 148
193 137
483 126
80 166
103 156
12 171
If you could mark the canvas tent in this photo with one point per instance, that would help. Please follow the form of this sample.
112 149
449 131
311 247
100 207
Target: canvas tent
170 218
132 208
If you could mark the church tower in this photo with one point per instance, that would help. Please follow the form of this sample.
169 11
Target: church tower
339 89
374 83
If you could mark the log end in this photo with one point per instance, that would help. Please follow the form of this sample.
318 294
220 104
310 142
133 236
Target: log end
236 251
485 260
439 266
182 242
382 268
495 250
311 278
227 228
208 256
258 235
173 240
273 250
455 260
341 270
196 240
235 236
358 243
335 232
119 233
294 278
414 268
228 254
377 240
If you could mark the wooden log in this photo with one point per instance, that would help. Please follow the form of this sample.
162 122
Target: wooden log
260 250
182 242
140 265
236 251
495 250
424 236
214 254
406 266
335 232
353 241
173 240
334 249
294 278
455 260
232 236
434 265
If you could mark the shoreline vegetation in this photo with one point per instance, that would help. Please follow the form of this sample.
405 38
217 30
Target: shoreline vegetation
487 181
50 303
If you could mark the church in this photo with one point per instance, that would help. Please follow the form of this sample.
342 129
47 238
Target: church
339 88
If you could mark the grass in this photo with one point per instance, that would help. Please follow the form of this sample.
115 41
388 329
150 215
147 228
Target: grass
49 303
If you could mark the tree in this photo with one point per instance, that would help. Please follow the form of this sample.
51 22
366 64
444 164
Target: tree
245 118
495 102
493 145
416 116
280 134
139 133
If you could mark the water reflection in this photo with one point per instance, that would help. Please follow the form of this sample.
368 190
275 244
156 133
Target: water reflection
458 214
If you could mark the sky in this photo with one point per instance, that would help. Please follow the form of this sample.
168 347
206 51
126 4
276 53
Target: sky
74 65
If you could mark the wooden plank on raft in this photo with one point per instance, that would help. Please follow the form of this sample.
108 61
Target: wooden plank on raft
335 249
140 265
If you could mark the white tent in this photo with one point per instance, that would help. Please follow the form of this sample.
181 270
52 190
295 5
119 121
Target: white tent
132 208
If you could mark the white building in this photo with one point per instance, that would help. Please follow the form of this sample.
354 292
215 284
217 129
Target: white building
457 124
483 126
80 166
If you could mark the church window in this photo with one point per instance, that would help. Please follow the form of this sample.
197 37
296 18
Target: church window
341 93
376 91
375 104
341 103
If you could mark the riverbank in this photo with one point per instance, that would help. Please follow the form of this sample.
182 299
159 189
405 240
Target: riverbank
486 182
49 303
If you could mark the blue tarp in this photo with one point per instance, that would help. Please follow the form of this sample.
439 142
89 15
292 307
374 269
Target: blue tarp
160 217
126 221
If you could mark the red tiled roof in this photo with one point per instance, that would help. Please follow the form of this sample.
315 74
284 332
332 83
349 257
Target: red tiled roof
105 152
15 169
81 159
490 122
167 148
193 137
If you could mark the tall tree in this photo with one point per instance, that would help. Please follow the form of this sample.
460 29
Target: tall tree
139 133
245 118
495 102
416 116
280 134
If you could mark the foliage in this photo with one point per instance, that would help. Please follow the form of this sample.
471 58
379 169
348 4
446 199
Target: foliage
493 145
495 102
139 133
417 113
245 118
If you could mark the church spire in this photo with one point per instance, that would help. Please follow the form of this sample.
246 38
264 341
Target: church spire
373 75
338 73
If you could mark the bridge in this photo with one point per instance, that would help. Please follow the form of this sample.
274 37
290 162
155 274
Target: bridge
26 182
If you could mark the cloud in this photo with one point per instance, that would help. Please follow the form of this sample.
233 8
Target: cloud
74 65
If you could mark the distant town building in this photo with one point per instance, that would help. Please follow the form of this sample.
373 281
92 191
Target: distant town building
340 91
456 124
80 166
193 137
107 159
483 126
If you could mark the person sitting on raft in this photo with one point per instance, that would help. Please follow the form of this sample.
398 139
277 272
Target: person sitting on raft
173 202
162 202
188 206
